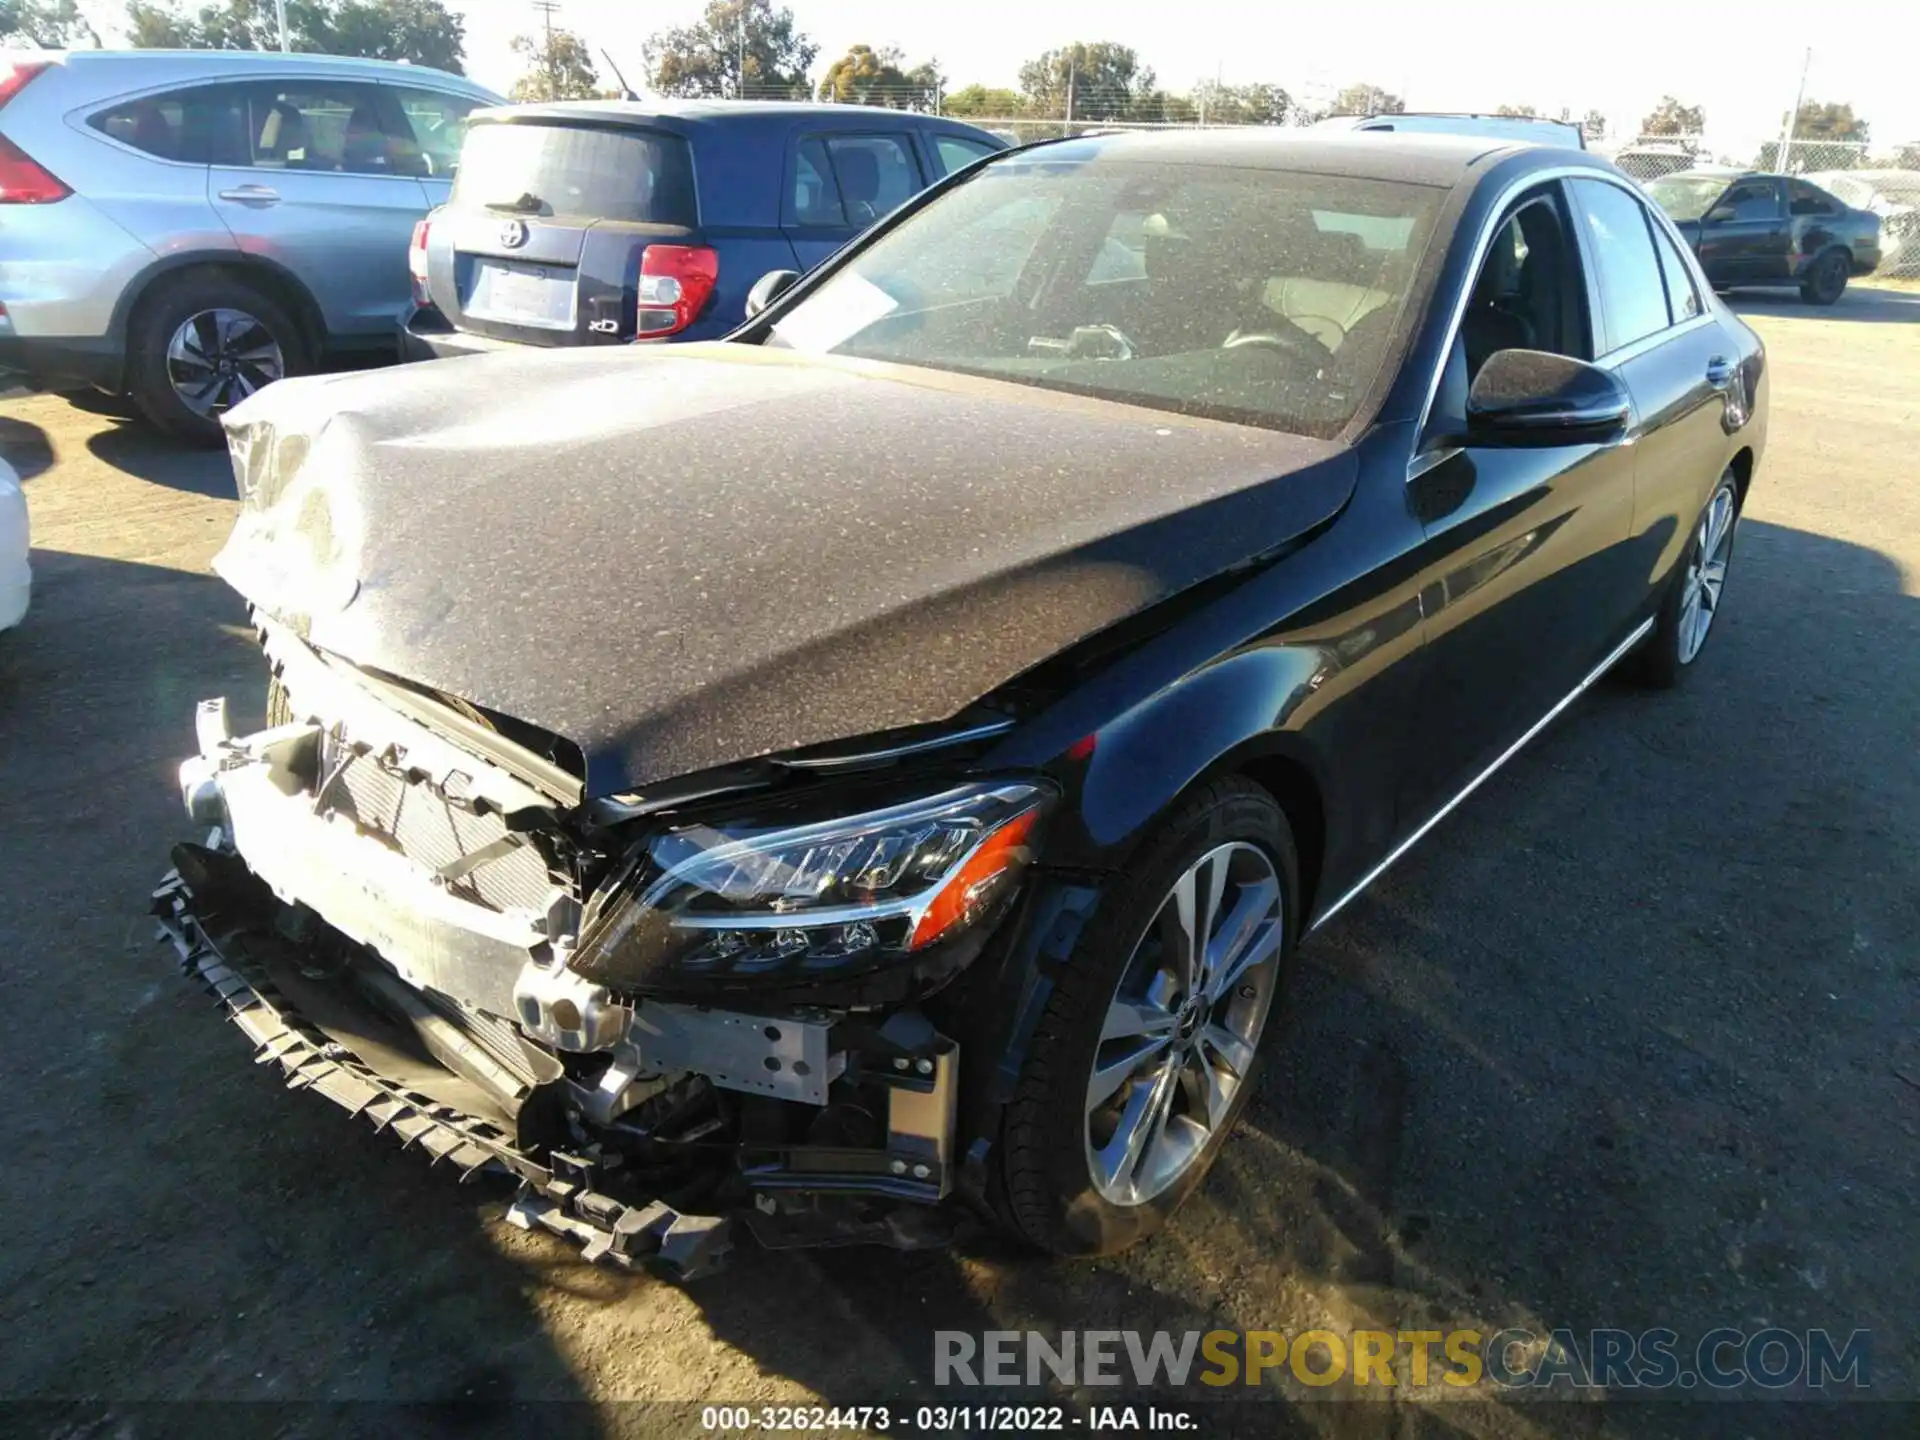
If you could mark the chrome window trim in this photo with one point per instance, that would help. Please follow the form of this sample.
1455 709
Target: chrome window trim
1618 653
1497 218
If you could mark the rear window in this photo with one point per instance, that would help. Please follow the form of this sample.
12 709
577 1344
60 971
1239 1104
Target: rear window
587 170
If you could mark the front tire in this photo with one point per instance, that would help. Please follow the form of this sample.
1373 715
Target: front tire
1695 593
197 348
1826 282
1145 1055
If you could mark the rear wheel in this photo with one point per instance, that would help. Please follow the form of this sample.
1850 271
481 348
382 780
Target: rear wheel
1826 282
198 348
1145 1055
1693 599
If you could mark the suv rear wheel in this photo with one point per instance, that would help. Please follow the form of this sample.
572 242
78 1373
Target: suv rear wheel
198 348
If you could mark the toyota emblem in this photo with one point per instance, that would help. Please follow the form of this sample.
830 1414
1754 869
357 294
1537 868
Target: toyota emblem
513 234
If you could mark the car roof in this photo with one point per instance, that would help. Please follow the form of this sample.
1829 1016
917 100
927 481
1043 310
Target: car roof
723 113
1413 157
213 62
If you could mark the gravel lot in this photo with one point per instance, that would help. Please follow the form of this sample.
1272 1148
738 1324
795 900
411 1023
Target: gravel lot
1629 1041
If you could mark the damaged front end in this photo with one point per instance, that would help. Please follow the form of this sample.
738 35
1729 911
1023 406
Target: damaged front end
658 1015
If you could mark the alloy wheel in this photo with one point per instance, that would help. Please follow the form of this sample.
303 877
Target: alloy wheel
219 357
1180 1032
1706 573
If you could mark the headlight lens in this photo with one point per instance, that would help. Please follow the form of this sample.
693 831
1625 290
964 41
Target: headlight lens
739 902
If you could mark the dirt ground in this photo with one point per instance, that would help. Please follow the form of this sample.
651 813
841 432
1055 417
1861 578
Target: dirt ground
1628 1041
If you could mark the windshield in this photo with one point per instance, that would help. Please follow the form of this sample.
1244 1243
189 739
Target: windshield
1263 296
595 171
1687 197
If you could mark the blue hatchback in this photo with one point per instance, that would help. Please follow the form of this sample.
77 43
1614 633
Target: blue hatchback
602 222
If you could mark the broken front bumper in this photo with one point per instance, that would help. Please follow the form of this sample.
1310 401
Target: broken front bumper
460 1029
556 1194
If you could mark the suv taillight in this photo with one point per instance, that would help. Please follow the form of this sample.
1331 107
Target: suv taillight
14 77
23 182
676 281
417 262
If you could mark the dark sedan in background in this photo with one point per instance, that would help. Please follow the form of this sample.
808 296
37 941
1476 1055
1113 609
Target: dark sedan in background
1750 228
601 222
881 765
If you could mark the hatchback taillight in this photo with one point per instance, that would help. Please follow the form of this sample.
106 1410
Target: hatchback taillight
417 262
14 76
676 281
25 182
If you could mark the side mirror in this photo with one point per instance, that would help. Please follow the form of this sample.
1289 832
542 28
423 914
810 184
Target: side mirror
769 288
1720 214
1528 397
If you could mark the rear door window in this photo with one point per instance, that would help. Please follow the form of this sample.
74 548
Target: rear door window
876 174
1805 199
339 127
597 171
1751 200
1633 292
816 199
955 152
1683 299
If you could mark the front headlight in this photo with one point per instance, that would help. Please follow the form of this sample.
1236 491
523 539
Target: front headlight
720 902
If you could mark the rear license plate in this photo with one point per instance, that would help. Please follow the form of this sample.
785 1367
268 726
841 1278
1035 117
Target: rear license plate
516 293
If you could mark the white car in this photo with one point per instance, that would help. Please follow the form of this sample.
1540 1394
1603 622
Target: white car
16 579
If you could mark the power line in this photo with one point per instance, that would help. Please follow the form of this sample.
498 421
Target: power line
546 9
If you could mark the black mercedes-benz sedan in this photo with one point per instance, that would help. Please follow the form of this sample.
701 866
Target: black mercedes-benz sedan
872 772
1753 229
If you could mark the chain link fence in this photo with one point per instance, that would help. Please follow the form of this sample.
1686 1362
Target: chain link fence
1882 179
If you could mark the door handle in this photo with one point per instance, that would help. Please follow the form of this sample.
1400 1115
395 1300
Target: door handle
252 195
1719 372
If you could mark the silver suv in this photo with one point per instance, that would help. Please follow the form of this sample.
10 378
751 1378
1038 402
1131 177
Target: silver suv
186 226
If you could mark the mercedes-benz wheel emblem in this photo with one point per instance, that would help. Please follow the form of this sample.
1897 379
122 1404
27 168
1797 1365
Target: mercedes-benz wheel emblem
513 234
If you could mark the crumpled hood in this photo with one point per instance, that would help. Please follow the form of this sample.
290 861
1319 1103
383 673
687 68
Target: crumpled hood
678 558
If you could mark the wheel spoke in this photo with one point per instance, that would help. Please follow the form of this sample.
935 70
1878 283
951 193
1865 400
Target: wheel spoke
1250 936
1187 938
1140 1124
1126 1018
1108 1077
1212 1094
1236 1054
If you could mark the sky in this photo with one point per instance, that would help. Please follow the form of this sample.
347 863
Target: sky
1619 58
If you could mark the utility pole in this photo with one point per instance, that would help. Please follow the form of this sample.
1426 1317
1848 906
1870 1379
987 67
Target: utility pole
1793 115
740 61
546 9
1072 56
280 14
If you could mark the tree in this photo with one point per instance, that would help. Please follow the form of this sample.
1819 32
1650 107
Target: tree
1367 99
1594 127
1670 117
992 104
1518 111
865 76
559 67
1106 81
1258 104
49 24
422 32
706 59
1829 122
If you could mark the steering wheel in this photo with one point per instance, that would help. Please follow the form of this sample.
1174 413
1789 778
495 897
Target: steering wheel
1290 342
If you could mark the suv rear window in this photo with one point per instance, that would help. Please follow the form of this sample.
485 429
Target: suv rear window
607 173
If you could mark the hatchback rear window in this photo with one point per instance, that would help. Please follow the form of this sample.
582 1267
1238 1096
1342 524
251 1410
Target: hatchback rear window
586 170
